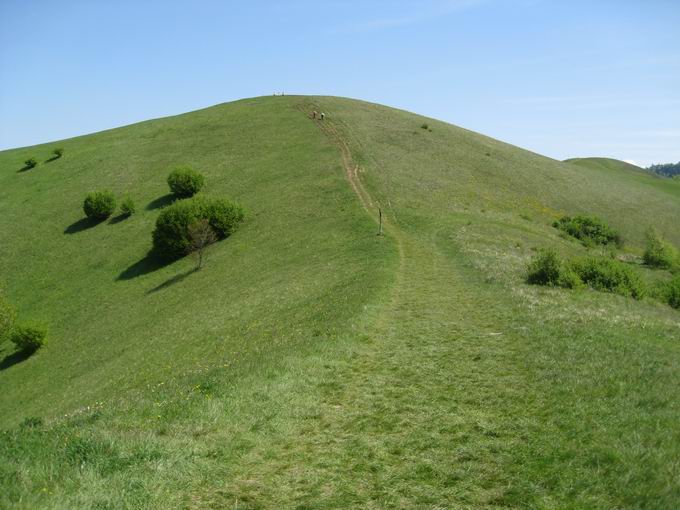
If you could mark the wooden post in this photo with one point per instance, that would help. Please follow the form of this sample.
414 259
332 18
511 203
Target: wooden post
380 228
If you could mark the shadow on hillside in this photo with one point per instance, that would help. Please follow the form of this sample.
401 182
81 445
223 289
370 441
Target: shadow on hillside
171 281
53 158
147 265
160 202
25 169
118 219
14 358
80 225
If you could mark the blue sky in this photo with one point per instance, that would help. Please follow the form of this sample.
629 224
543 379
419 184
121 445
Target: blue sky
562 78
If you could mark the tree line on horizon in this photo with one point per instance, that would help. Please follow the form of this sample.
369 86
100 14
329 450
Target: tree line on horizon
666 169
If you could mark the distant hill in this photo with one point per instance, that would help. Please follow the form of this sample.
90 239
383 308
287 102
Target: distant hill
605 163
313 363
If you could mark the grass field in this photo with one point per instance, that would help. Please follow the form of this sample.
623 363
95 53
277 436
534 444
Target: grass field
313 364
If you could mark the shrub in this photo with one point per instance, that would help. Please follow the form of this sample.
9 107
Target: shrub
58 152
185 182
99 205
659 252
590 230
30 163
424 126
127 207
608 275
544 268
171 237
29 338
673 292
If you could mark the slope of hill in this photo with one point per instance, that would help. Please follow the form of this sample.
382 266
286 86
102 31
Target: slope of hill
605 163
631 173
313 364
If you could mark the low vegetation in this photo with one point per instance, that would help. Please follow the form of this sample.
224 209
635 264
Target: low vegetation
28 338
171 237
58 152
185 182
590 230
599 273
99 205
30 163
608 275
673 292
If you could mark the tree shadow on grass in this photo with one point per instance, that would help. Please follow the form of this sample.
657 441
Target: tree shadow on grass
160 202
118 219
14 358
80 225
147 265
171 281
53 158
25 169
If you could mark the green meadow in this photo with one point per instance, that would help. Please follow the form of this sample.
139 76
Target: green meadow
312 363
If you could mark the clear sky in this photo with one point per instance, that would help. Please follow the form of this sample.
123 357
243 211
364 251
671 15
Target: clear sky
564 78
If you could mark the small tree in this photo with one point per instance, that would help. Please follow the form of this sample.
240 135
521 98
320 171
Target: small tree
659 252
58 152
201 234
31 163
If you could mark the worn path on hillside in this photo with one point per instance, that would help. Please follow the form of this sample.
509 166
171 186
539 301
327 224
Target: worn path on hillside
415 416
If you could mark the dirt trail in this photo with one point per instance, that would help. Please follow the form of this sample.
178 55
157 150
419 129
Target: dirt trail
410 415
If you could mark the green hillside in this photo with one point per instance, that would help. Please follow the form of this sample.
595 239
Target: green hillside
634 175
311 363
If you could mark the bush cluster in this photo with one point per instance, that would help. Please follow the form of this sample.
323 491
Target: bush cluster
608 275
171 237
29 338
660 253
590 230
58 152
185 182
30 163
600 273
99 205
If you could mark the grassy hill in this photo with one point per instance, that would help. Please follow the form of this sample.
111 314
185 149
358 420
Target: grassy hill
311 363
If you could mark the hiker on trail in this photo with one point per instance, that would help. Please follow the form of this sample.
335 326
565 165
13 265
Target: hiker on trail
323 115
314 114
